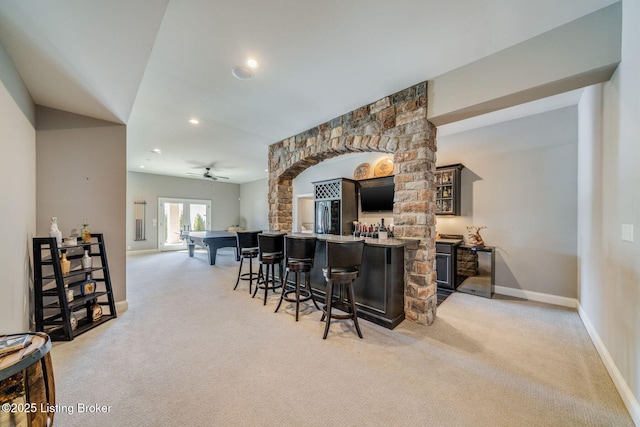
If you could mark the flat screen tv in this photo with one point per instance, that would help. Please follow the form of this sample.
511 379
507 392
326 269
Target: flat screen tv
376 195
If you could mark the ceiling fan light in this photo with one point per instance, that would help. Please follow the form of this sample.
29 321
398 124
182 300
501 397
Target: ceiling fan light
241 73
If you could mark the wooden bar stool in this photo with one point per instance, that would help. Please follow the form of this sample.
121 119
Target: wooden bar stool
343 268
271 253
300 252
247 248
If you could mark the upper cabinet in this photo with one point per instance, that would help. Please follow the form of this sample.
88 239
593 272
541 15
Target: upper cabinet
448 189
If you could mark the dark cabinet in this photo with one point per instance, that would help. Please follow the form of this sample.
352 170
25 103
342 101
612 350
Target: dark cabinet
336 206
69 304
448 189
379 291
446 265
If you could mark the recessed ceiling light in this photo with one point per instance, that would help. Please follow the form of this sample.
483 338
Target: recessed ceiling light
142 166
157 151
194 121
252 63
241 73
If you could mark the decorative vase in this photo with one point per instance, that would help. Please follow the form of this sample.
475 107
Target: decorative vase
86 235
65 264
69 292
74 322
87 261
55 231
96 312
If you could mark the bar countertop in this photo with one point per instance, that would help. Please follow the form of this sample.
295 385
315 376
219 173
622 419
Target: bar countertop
385 243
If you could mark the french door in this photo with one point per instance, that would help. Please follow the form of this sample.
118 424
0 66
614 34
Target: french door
176 215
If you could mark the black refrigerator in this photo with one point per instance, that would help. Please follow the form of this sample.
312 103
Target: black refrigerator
336 206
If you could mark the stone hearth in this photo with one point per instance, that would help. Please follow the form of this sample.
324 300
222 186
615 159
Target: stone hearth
394 124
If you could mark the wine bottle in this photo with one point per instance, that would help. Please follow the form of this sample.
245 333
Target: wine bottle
382 232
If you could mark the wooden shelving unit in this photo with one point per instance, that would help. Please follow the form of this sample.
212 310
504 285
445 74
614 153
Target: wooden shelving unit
53 310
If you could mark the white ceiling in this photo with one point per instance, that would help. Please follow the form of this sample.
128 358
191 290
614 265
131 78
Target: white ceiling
154 64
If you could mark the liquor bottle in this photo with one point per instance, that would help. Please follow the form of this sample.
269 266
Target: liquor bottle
87 261
65 264
85 235
382 232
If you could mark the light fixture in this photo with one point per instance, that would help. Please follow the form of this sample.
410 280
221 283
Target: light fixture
141 166
241 73
252 63
194 121
156 151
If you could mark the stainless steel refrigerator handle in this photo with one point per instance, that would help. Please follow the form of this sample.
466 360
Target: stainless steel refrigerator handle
326 219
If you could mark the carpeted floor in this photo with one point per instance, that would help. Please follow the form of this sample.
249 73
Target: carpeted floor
190 351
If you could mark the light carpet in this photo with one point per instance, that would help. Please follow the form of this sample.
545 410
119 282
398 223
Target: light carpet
190 351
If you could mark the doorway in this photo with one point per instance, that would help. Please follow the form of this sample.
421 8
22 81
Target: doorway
178 215
303 213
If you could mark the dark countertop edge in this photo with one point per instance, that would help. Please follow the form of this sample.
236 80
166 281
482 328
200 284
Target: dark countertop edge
388 243
449 241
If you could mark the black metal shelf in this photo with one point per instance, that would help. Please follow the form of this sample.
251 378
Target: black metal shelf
53 311
73 273
84 325
77 302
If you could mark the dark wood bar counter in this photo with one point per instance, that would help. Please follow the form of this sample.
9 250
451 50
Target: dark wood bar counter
379 291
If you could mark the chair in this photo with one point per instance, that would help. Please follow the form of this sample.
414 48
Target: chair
271 252
300 252
343 268
247 247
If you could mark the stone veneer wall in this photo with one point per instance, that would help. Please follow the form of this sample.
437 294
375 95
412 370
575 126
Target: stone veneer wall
394 124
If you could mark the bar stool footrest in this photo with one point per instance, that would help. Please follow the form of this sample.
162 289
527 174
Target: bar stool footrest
305 297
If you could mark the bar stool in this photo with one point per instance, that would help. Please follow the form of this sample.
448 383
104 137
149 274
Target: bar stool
300 252
343 268
247 247
271 252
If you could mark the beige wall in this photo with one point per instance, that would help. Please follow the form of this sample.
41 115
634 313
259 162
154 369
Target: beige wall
17 196
81 173
225 204
254 208
520 180
583 52
609 284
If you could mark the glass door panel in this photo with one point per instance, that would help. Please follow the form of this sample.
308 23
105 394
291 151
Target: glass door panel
172 217
198 216
177 215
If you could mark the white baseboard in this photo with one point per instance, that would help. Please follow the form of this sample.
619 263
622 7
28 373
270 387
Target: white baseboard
143 251
630 401
121 307
537 296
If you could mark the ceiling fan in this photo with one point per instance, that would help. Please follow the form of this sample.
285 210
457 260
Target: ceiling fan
208 175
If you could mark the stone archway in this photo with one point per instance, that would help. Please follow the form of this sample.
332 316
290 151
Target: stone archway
394 124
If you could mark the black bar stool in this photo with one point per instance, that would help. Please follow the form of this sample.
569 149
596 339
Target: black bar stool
300 252
343 268
271 246
247 247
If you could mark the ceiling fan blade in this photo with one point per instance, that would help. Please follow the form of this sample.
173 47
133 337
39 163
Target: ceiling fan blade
221 177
